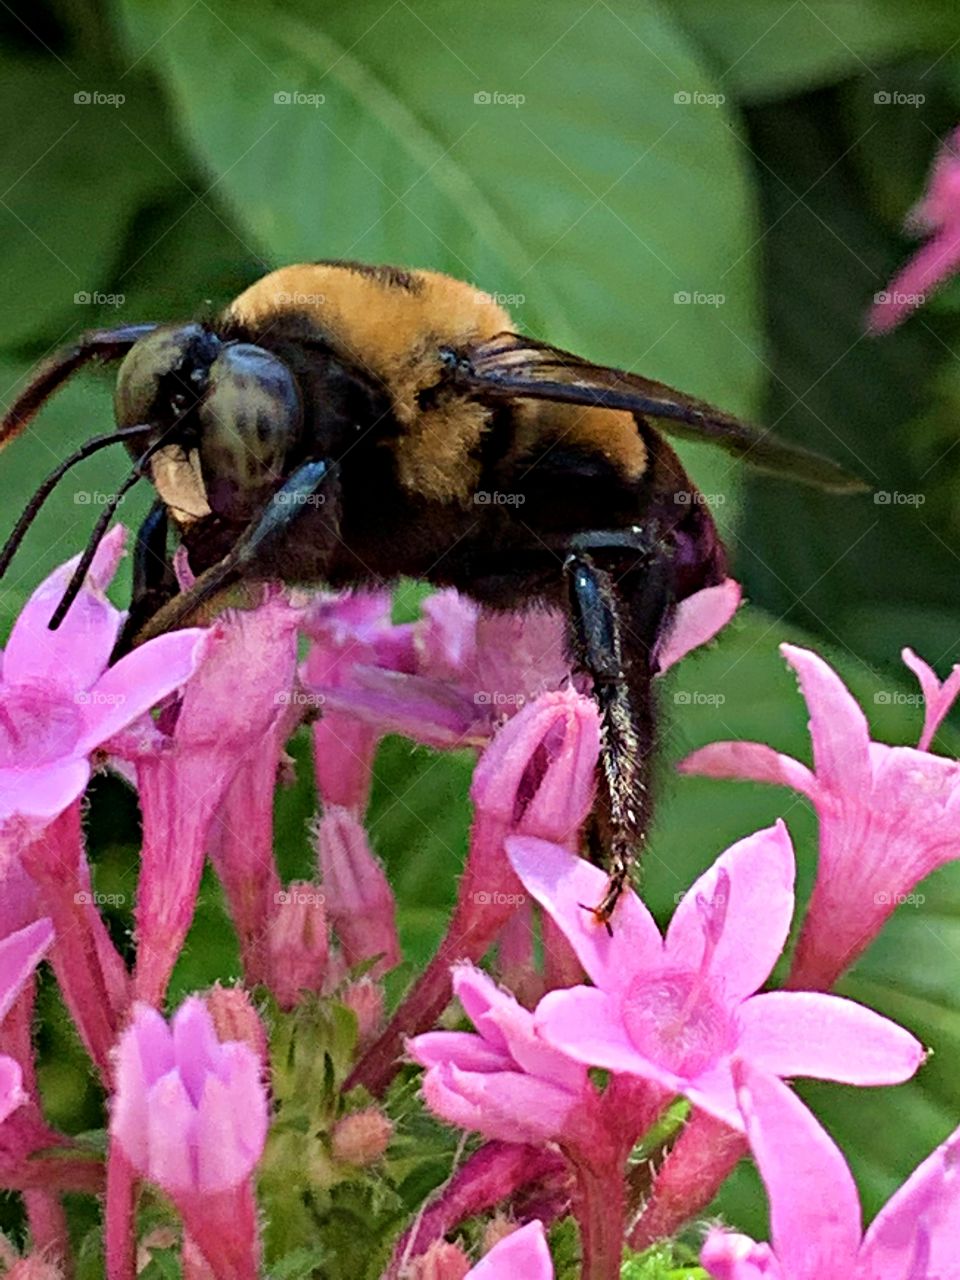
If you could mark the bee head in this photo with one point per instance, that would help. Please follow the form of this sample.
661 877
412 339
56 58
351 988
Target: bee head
231 411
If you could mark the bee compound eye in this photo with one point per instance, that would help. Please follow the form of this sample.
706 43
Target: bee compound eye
250 419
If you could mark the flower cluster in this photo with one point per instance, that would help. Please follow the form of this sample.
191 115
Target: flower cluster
245 1121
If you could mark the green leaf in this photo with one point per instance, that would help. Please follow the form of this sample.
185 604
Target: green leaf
592 202
765 49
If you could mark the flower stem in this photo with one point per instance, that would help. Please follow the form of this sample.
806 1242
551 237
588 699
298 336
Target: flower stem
600 1207
121 1235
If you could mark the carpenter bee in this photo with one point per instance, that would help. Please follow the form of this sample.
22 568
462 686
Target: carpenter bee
348 424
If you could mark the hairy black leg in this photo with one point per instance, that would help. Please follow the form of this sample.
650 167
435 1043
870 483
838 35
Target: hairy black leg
154 581
258 553
615 624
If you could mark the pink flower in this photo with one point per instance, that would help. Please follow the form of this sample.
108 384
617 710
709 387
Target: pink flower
227 720
523 1253
59 701
20 953
937 215
815 1209
888 815
536 777
504 1082
190 1114
676 1010
349 632
471 669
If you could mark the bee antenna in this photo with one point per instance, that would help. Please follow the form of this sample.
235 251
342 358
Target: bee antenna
97 535
32 509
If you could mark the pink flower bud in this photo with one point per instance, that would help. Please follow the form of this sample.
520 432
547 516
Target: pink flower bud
361 1138
537 777
297 947
442 1261
359 899
365 999
190 1114
235 1018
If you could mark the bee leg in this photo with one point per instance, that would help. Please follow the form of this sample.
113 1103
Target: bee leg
613 642
154 581
256 556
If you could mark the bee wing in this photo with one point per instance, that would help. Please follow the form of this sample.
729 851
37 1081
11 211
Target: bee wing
511 366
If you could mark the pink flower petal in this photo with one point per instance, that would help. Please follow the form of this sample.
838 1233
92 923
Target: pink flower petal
728 1256
839 729
20 953
814 1207
196 1048
231 1122
417 707
76 653
508 1106
138 682
43 792
751 889
524 1254
586 1025
170 1121
697 619
12 1094
924 1214
506 1018
479 994
749 762
937 698
567 886
804 1033
929 267
459 1048
713 1091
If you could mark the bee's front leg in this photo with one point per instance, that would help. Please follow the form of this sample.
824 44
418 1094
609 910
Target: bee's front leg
259 554
614 642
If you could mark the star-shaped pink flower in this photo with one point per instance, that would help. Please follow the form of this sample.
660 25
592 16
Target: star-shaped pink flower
888 815
59 700
815 1210
676 1010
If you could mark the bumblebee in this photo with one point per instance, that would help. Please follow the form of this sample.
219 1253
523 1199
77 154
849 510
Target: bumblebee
349 424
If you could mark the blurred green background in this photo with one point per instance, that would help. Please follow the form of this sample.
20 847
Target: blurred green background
710 194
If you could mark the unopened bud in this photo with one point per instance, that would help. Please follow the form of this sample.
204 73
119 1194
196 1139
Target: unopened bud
297 943
442 1261
362 1137
235 1018
360 901
538 775
365 998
